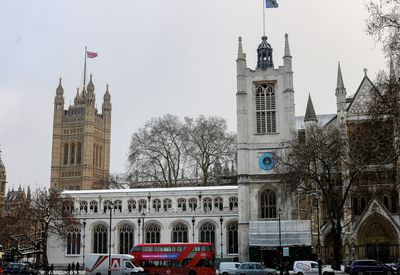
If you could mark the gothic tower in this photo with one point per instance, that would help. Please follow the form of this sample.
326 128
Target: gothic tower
81 141
265 122
2 184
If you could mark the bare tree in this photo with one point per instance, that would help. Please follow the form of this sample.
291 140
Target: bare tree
209 143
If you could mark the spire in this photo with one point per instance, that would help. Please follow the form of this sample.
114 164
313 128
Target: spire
107 96
240 50
340 84
60 90
310 112
90 86
264 55
2 168
77 97
287 49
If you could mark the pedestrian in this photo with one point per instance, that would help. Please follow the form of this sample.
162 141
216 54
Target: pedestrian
69 269
51 269
73 268
77 267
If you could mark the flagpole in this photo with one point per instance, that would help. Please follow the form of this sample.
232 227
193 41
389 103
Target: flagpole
264 8
84 69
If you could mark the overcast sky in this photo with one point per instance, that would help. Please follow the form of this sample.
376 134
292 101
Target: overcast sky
161 56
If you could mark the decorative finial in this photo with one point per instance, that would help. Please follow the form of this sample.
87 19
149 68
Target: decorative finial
60 89
240 49
339 84
287 49
365 72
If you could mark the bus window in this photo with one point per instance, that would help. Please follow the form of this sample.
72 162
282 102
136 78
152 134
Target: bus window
137 249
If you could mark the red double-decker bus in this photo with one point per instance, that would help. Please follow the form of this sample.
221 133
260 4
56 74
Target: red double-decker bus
175 258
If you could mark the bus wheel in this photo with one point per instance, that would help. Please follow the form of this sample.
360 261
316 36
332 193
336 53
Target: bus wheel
192 272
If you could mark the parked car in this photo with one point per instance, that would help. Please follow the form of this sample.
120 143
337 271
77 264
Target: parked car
362 266
19 268
310 268
347 266
250 268
228 268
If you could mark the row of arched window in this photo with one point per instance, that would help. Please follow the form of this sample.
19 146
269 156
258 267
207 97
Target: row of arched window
72 153
389 201
97 156
158 205
152 234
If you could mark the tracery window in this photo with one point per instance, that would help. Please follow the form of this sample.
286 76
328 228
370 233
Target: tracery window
233 241
207 233
94 205
74 242
233 203
167 204
192 204
68 206
386 202
107 206
265 109
219 204
356 210
180 233
72 159
131 205
268 204
65 154
126 238
153 233
100 239
182 204
79 153
118 205
157 205
142 205
83 206
207 204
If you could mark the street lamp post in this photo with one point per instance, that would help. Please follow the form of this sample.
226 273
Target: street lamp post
319 236
84 243
193 221
280 242
222 245
143 215
138 221
110 204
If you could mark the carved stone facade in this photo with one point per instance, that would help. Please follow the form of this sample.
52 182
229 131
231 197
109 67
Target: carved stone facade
81 141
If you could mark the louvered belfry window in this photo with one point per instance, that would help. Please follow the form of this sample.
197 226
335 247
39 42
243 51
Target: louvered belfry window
265 109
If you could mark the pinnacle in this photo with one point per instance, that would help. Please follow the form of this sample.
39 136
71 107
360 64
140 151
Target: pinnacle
340 84
310 112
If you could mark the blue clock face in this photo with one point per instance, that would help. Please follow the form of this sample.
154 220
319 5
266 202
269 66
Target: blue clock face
267 161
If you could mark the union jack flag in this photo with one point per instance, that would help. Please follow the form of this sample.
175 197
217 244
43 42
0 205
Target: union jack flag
91 54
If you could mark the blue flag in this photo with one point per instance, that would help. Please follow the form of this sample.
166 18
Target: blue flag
271 4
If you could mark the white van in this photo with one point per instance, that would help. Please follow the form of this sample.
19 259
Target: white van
228 268
121 264
310 268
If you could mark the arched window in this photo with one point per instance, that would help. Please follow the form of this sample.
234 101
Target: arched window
362 204
153 233
265 109
101 157
131 205
126 238
207 204
157 205
219 204
118 206
72 159
207 233
79 153
94 206
193 204
107 205
232 233
100 239
182 204
68 206
65 154
356 211
180 233
142 204
83 206
394 202
268 204
167 204
233 203
74 242
386 202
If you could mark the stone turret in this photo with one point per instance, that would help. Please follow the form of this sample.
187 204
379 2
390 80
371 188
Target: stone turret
264 55
340 92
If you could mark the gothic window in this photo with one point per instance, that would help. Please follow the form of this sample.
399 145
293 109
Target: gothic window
142 204
355 206
219 203
74 242
101 156
94 205
233 241
126 236
268 204
362 204
72 159
100 239
182 204
118 205
207 204
167 204
153 233
131 205
157 205
386 202
97 156
65 154
79 153
94 154
107 205
265 109
180 233
83 206
394 203
193 204
207 233
68 206
233 203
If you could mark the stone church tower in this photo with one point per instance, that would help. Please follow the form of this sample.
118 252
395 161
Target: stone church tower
81 141
265 122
